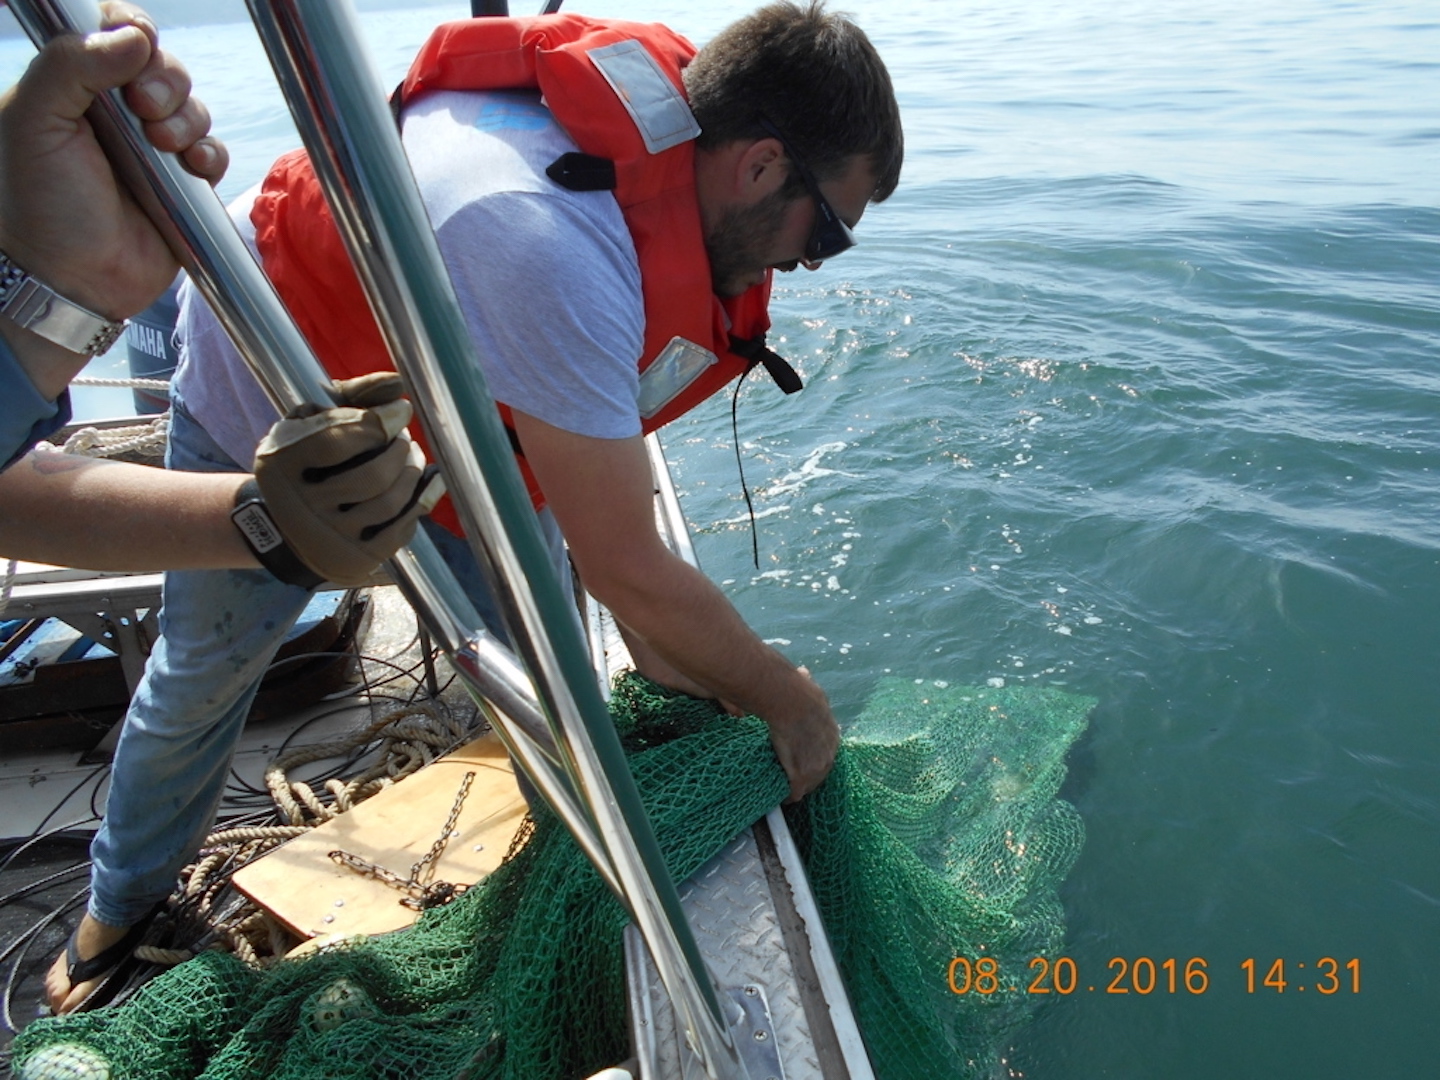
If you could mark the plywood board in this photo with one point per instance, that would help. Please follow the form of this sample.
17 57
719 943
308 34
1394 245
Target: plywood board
316 898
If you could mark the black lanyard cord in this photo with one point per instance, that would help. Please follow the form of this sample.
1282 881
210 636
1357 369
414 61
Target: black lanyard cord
740 465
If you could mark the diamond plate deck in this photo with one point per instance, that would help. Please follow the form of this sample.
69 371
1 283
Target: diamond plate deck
738 926
755 922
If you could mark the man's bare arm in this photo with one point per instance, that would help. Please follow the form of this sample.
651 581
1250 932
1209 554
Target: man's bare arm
370 493
109 515
601 493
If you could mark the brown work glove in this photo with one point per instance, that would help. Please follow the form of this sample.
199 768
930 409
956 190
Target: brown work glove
337 491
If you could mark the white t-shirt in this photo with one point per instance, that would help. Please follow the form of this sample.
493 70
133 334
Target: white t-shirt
547 278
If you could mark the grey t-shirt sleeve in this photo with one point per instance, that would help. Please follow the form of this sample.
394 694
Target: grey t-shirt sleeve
25 417
550 288
213 381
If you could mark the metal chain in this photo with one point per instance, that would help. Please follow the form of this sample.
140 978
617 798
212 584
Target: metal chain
421 894
365 868
423 870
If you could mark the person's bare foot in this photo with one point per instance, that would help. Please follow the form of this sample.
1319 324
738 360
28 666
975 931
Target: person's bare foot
91 938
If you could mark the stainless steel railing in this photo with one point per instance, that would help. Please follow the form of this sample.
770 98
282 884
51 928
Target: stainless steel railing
549 710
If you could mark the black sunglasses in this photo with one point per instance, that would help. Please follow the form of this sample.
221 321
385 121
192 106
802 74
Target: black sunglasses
830 236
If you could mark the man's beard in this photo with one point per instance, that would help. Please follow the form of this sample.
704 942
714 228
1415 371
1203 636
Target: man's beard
739 241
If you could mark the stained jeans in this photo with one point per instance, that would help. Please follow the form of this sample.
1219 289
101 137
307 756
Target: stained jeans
219 630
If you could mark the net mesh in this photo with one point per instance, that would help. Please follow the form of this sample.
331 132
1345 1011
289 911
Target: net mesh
938 835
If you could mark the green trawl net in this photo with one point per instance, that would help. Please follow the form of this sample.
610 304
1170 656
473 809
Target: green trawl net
938 835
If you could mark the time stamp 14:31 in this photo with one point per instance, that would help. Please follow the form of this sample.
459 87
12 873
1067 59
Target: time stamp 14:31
1141 975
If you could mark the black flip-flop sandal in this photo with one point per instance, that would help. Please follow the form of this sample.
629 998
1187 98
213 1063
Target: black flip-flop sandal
106 962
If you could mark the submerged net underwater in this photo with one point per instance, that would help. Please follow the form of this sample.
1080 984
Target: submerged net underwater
938 835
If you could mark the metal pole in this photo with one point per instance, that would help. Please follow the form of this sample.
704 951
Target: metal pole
339 108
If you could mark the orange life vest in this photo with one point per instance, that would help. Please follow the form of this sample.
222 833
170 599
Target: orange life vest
304 257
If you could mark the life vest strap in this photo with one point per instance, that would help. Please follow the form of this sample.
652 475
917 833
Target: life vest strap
755 350
583 172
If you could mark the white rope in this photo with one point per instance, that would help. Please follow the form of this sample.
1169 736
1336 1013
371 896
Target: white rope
407 747
152 954
148 439
9 585
130 384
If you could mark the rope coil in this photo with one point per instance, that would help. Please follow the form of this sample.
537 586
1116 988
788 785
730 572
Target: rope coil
147 439
409 738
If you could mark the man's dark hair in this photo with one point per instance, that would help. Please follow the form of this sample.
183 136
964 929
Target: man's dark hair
815 76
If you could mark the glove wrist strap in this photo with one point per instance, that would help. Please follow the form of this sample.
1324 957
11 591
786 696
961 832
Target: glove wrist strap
253 520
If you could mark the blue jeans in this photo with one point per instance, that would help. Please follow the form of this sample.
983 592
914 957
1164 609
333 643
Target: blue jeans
219 630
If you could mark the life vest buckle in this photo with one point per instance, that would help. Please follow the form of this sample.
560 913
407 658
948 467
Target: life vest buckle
582 172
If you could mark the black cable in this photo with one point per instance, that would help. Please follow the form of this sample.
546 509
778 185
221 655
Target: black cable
37 836
414 640
61 804
37 885
735 435
320 653
96 814
400 672
365 688
26 940
236 783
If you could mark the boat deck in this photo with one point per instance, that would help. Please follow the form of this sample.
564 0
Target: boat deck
52 799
